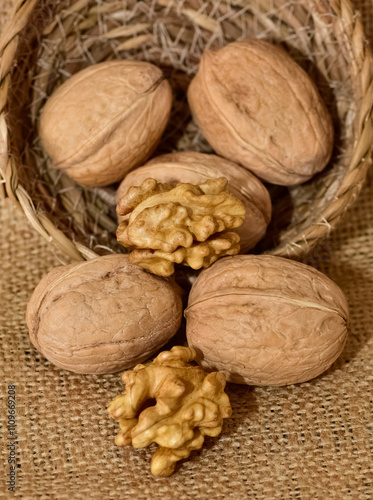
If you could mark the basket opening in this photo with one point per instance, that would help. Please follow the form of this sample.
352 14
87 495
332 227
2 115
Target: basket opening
61 40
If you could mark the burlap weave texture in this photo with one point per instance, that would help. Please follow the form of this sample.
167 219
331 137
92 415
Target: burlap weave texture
309 441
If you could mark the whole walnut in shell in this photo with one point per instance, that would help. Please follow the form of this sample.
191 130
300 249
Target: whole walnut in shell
103 315
265 320
256 106
106 120
196 168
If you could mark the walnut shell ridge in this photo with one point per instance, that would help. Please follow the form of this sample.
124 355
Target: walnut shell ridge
265 320
103 315
256 106
106 120
196 168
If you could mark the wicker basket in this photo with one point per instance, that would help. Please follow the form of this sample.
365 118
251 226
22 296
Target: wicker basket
46 41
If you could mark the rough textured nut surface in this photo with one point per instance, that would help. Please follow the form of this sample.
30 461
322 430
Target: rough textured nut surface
106 120
188 405
256 106
186 224
265 320
196 168
103 315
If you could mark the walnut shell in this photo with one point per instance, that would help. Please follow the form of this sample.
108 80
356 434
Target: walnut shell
256 106
106 120
265 320
103 315
196 168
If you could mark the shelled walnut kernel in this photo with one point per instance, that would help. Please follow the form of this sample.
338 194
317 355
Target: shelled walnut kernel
186 405
186 225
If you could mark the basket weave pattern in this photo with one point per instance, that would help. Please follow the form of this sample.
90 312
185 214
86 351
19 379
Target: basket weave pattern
45 43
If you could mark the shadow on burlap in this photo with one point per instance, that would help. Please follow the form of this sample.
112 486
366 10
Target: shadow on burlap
308 441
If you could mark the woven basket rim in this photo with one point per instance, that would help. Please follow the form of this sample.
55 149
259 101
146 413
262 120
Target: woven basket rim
305 241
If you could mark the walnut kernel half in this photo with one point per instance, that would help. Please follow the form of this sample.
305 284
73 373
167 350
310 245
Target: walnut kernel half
187 405
185 225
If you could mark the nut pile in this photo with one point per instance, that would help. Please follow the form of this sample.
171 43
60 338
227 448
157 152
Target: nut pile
251 319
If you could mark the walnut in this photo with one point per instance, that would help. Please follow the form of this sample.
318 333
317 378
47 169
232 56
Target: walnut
186 224
186 405
103 315
196 168
265 320
257 107
106 120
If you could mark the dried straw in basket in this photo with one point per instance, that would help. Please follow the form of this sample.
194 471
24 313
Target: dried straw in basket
45 42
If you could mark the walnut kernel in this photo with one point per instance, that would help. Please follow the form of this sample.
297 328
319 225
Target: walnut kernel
189 405
186 224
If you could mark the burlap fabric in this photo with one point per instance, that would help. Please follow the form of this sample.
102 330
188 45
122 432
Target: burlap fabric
309 441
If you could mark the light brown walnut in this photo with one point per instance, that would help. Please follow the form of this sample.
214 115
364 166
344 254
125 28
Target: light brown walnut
186 404
256 106
103 315
265 320
187 224
196 168
106 120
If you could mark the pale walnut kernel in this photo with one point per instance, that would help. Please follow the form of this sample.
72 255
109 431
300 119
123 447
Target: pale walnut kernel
189 405
184 225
